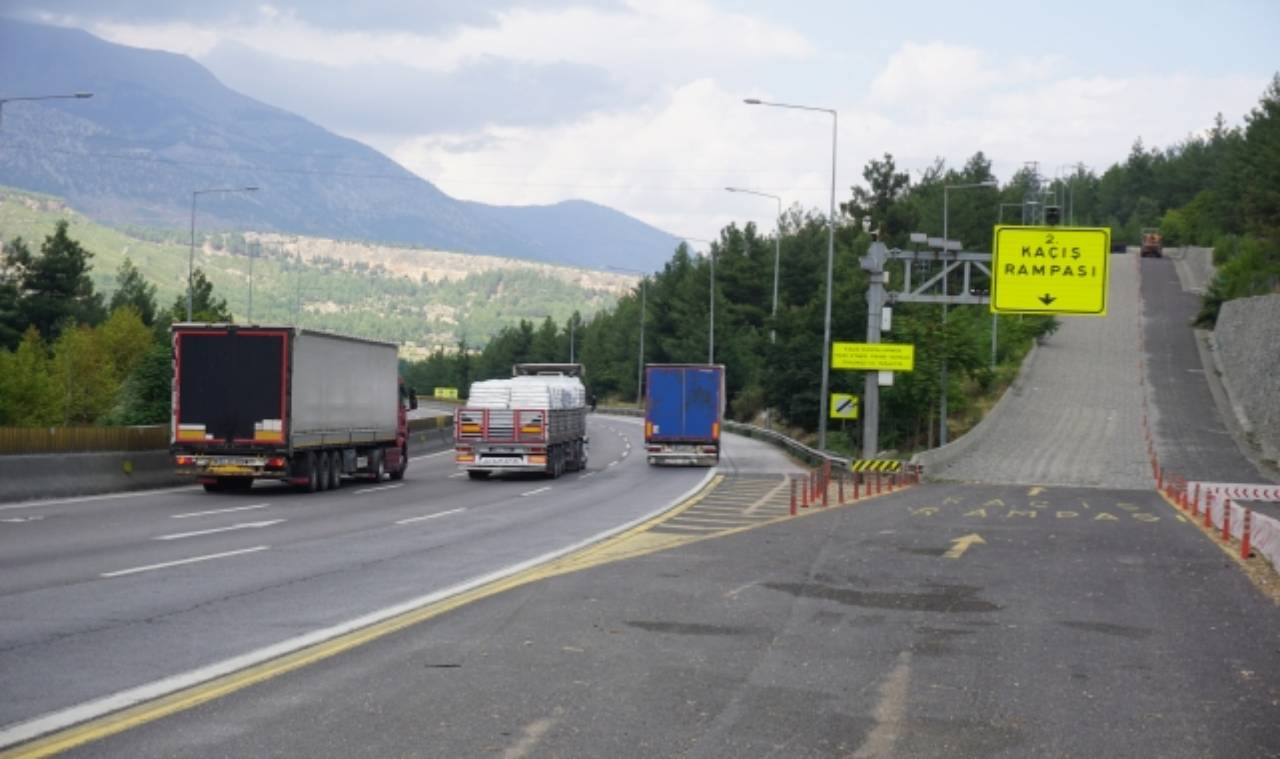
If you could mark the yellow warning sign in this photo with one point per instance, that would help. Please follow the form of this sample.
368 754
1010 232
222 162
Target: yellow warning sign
1050 270
844 406
888 357
446 392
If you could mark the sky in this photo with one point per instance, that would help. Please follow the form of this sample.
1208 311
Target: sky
638 105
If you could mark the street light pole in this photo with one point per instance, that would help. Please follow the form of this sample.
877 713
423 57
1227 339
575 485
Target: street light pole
831 255
777 252
946 240
191 255
75 95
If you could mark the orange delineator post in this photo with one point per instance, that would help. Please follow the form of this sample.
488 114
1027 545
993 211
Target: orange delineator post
1245 548
840 488
804 495
857 478
1226 520
793 495
826 481
1208 510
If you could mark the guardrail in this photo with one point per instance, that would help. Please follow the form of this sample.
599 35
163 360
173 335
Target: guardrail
801 451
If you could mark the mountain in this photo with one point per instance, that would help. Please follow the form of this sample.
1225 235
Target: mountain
159 126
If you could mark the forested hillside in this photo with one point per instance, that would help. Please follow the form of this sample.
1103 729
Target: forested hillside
1220 188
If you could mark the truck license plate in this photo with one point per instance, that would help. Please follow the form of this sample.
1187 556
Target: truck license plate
501 460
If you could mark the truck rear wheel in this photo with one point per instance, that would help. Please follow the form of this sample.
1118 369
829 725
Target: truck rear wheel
309 465
335 470
322 471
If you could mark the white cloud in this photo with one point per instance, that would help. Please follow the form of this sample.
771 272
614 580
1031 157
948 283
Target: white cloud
649 38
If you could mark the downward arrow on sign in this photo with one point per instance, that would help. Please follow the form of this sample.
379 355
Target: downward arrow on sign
1046 299
960 545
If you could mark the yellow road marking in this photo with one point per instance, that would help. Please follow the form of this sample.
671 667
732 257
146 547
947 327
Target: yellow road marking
637 541
961 544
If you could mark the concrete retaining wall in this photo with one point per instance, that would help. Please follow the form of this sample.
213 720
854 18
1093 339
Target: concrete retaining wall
1247 342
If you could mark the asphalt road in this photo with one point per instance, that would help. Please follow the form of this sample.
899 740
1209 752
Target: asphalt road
101 595
1028 618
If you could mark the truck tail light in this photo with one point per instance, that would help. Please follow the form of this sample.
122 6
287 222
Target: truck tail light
275 462
464 457
185 460
648 429
708 449
715 430
653 448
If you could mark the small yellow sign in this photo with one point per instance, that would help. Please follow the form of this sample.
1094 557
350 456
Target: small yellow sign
1050 270
844 406
888 357
447 392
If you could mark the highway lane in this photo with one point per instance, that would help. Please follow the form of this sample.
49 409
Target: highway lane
94 599
1087 622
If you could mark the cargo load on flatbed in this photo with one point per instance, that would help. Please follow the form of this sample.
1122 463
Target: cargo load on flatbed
284 403
534 421
683 409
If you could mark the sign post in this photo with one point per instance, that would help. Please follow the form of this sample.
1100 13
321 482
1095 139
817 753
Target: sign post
1050 270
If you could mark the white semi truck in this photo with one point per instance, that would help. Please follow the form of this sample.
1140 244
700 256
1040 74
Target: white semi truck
535 421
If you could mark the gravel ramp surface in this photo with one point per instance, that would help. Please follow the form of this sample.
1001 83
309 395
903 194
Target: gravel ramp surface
1076 419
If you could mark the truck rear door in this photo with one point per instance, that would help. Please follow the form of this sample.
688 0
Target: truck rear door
231 386
684 403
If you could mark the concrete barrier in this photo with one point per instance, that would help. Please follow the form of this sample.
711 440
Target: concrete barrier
26 477
68 474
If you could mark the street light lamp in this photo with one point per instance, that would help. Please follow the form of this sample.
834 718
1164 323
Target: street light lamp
777 251
191 256
942 404
640 362
74 95
831 256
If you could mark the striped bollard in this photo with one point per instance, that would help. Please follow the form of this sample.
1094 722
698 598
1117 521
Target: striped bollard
857 479
793 495
1226 520
1208 509
840 488
1246 545
804 495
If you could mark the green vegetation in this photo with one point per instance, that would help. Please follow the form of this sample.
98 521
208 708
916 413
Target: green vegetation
321 293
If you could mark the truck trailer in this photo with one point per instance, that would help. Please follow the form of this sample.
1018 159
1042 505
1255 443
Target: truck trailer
285 403
683 408
535 421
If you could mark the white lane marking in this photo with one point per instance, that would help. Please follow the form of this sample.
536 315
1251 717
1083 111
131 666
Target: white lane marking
241 526
83 498
20 520
613 463
436 515
456 475
585 475
218 511
52 721
535 492
376 488
448 450
626 453
180 562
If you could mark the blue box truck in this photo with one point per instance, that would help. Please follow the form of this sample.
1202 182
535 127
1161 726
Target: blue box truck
683 408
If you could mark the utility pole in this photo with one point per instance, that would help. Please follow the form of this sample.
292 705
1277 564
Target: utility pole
873 264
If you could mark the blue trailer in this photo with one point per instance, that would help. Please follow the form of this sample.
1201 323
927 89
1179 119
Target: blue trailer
683 408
